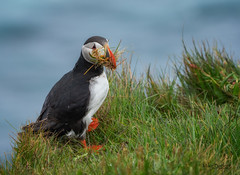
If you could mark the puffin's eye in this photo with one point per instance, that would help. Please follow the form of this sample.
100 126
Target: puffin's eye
94 46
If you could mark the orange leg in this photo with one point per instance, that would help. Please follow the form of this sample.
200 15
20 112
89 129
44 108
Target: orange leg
93 125
93 147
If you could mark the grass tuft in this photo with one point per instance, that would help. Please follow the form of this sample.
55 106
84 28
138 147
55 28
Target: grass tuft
210 73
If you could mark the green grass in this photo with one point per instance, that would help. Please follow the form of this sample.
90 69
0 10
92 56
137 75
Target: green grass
211 73
151 126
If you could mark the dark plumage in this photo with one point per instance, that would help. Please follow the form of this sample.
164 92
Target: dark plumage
68 101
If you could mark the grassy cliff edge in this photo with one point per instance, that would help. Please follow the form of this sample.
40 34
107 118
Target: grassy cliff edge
152 125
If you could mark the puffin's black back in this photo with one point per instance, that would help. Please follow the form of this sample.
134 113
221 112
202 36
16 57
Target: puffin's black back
73 87
66 103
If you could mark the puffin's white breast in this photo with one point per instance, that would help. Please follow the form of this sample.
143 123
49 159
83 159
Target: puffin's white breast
98 88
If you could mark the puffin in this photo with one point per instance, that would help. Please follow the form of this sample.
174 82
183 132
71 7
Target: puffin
69 107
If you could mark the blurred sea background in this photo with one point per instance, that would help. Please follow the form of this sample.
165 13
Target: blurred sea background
41 40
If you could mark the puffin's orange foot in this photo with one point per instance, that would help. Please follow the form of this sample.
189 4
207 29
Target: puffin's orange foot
93 147
93 125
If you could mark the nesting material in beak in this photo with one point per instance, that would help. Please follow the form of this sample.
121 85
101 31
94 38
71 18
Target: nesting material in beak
108 59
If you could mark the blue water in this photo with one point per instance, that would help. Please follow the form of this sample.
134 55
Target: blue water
41 40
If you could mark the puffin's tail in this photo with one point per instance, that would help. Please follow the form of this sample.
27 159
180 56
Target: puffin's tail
45 125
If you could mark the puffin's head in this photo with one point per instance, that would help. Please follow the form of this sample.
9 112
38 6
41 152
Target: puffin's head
100 43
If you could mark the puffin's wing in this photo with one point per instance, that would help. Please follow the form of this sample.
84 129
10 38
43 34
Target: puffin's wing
68 97
66 102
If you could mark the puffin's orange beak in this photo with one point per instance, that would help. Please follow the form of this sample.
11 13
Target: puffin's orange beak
110 55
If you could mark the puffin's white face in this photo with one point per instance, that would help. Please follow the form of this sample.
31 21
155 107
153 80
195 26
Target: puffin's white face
98 45
87 50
